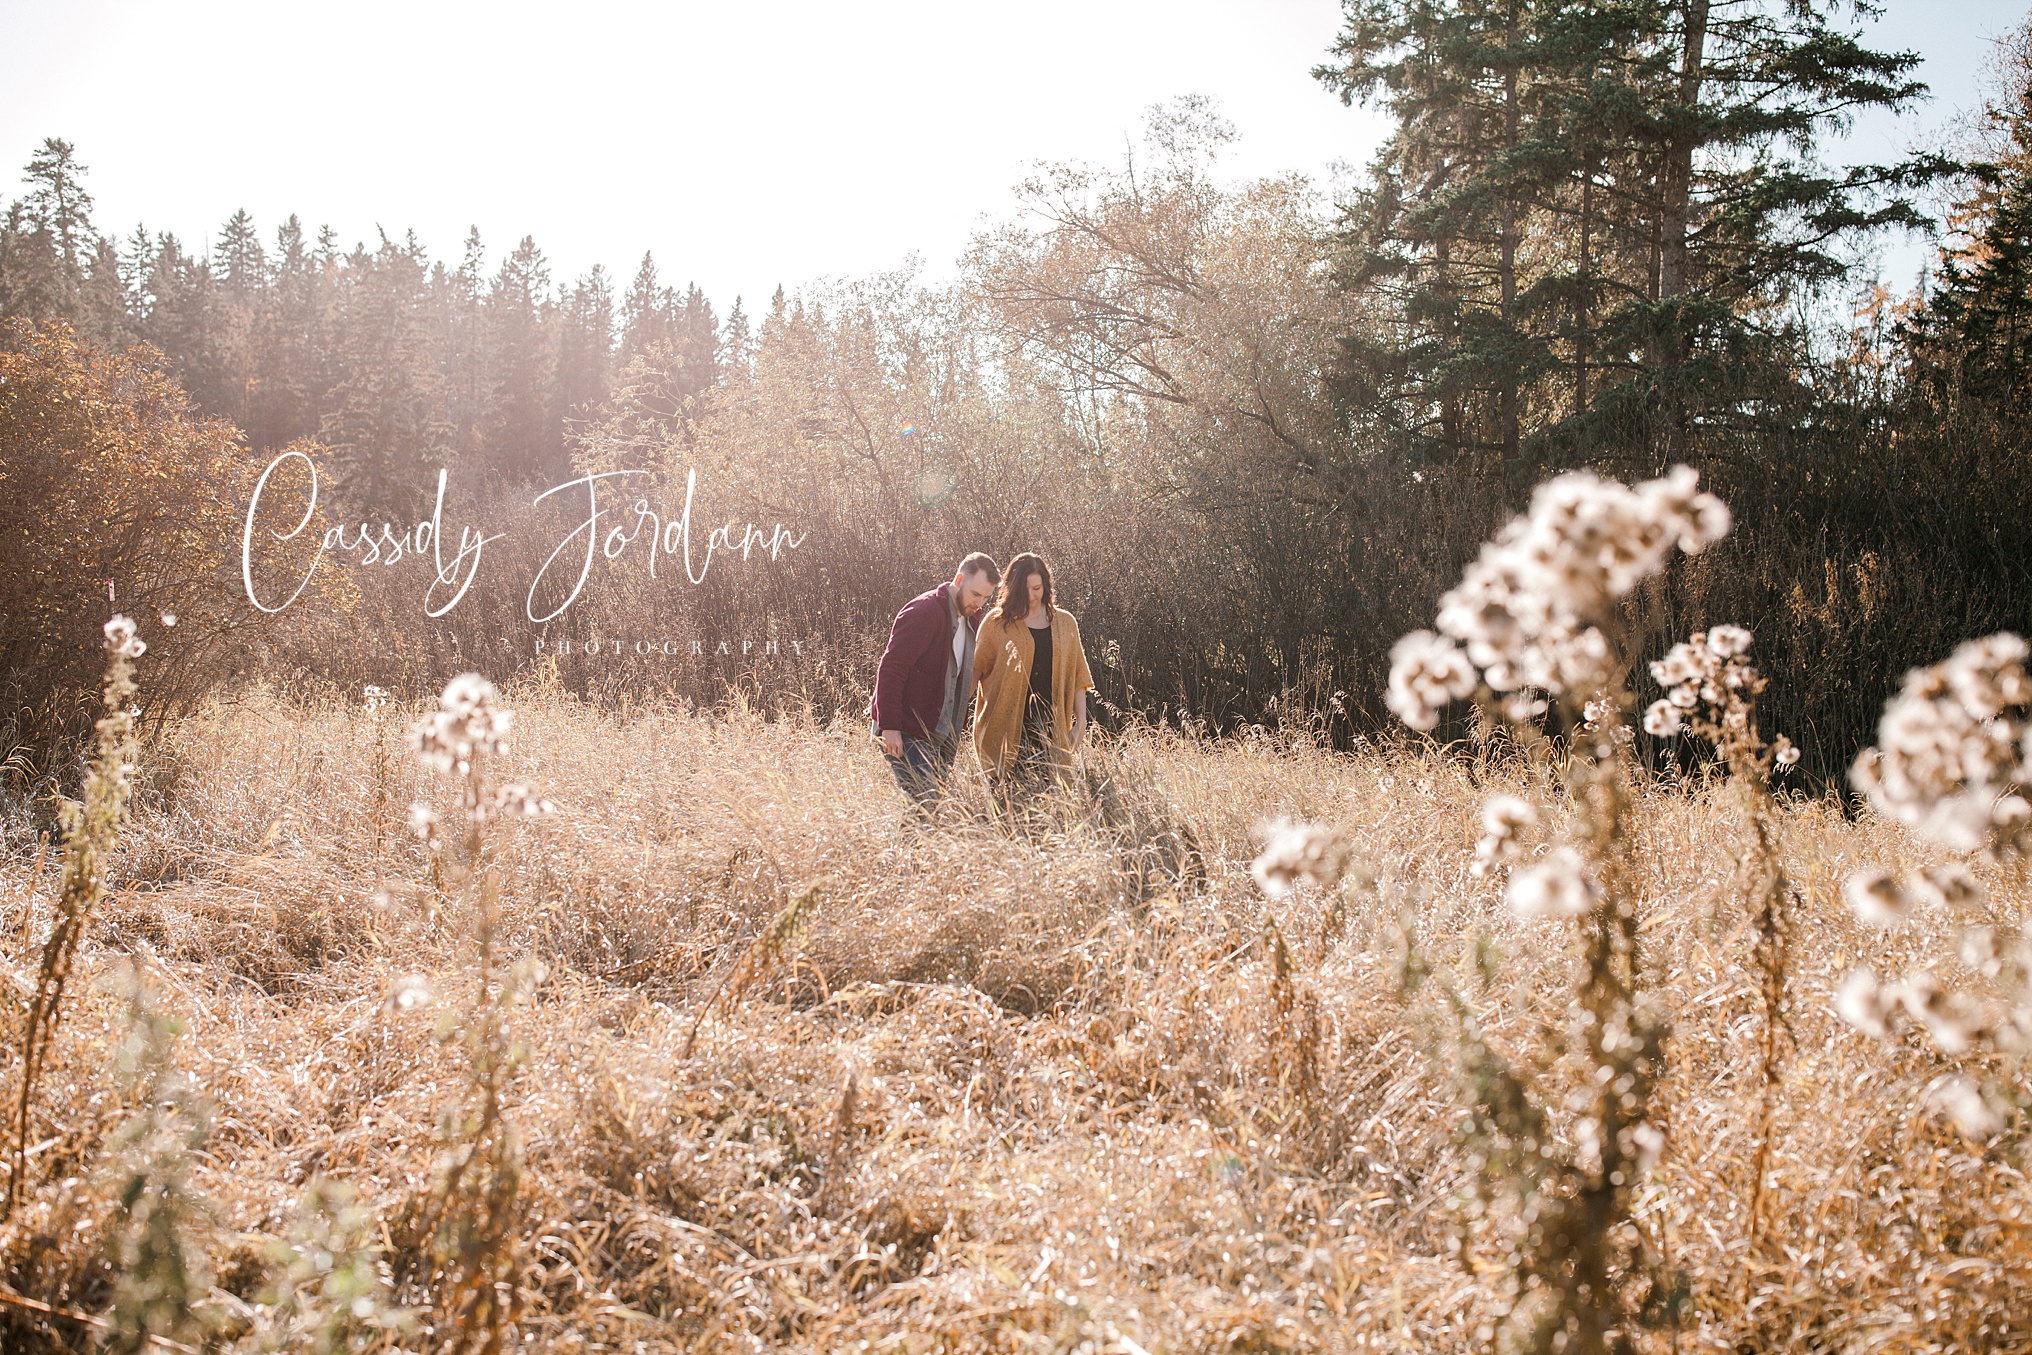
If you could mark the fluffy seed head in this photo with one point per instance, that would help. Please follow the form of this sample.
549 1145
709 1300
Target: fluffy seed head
1947 886
1862 1002
1727 642
1952 749
1876 898
468 723
517 801
1557 886
1958 1097
408 993
1529 612
122 639
1503 818
1426 674
1296 851
1950 1019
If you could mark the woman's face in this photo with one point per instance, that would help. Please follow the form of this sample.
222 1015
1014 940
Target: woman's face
1035 583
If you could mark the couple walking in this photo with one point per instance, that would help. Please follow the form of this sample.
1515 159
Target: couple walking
1016 676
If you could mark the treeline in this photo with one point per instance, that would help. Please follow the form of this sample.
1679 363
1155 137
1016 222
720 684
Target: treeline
394 362
1257 433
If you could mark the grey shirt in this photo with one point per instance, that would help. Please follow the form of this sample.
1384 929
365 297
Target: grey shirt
959 672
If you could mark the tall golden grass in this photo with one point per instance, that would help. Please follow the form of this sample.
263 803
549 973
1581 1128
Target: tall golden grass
1071 1086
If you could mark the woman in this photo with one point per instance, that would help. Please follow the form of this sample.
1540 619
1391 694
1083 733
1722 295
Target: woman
1031 676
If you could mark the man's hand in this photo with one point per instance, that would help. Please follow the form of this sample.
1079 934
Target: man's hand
892 742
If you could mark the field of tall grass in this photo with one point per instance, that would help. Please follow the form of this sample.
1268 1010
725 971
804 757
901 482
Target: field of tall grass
779 1067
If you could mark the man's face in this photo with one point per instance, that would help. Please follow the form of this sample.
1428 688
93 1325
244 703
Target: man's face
975 590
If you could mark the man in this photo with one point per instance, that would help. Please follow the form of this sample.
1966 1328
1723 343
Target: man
924 686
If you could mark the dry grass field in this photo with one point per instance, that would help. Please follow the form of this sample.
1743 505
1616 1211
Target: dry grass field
1061 1087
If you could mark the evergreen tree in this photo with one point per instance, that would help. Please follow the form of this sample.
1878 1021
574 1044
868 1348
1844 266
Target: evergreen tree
181 319
58 204
31 275
292 330
461 343
585 345
46 239
1456 192
1620 191
383 419
522 438
238 258
695 342
1973 339
737 343
645 312
240 276
104 317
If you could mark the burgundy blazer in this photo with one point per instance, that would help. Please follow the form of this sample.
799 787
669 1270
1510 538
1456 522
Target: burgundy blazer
910 680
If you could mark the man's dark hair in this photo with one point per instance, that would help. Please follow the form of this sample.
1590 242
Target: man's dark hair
981 563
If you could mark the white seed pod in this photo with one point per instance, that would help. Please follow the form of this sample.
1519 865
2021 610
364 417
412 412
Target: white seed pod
1663 719
1957 1096
1728 642
1557 886
1948 886
1876 898
1294 852
1862 1002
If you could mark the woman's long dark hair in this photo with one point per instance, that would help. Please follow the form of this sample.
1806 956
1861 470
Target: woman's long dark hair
1015 590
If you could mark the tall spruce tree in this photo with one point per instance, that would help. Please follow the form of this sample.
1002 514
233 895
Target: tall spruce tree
46 238
383 419
292 341
523 438
1590 212
1972 341
585 346
456 297
645 312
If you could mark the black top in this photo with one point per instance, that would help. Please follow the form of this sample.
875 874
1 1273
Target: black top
1037 710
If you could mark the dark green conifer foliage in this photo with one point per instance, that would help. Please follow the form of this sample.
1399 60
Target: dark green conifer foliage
1591 215
1973 340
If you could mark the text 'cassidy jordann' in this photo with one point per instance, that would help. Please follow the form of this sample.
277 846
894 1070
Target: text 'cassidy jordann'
604 530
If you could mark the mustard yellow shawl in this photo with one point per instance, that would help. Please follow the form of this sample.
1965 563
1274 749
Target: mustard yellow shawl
1002 658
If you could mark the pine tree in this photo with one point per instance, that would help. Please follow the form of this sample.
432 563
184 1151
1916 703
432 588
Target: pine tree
1973 339
47 240
585 356
1457 190
1742 217
461 343
180 318
383 421
522 437
105 317
737 344
240 273
292 331
58 203
645 312
1589 212
238 257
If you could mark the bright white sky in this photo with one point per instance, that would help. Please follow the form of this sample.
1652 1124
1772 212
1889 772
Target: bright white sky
746 144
